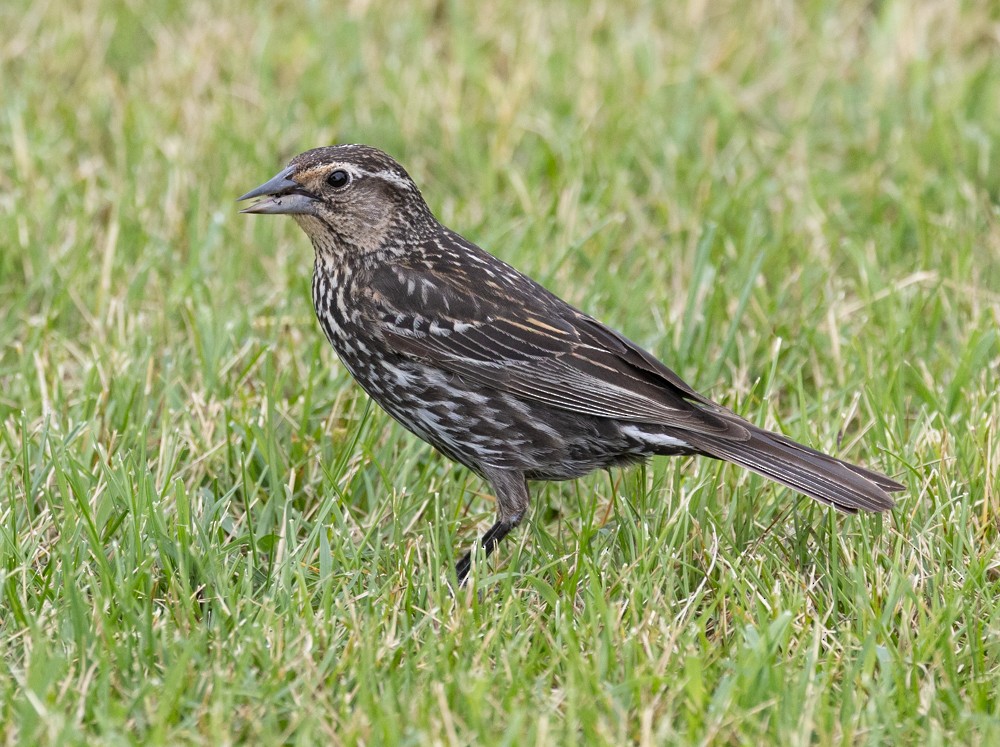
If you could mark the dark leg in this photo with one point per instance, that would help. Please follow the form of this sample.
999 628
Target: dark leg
511 490
489 542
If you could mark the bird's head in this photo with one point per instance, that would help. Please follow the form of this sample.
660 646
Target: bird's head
344 197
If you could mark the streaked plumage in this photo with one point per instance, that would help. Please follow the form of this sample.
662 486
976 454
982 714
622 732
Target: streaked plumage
491 368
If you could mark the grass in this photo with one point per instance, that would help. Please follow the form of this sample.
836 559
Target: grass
208 535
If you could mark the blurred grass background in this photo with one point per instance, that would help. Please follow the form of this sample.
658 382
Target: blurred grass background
208 536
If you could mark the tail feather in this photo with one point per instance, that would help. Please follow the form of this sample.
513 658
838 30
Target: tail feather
846 487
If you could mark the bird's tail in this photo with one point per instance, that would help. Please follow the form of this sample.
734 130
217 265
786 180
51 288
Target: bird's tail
847 487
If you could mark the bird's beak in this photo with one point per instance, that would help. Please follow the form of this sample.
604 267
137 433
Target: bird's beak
284 195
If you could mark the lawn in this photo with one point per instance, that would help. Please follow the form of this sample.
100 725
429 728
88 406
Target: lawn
209 535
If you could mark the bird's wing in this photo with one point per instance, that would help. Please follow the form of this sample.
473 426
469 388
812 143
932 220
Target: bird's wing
521 339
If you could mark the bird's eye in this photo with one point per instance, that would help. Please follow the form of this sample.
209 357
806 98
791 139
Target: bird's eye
338 179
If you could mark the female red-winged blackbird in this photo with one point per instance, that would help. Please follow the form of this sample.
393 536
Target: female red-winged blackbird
492 369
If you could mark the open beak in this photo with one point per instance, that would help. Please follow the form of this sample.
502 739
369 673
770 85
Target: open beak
282 196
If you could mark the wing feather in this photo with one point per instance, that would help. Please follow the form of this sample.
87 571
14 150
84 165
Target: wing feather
541 349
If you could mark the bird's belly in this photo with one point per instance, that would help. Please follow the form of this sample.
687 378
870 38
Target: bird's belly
481 427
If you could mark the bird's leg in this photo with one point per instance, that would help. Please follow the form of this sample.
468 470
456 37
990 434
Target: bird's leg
490 540
511 490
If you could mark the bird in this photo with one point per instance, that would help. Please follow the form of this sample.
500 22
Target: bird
495 371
